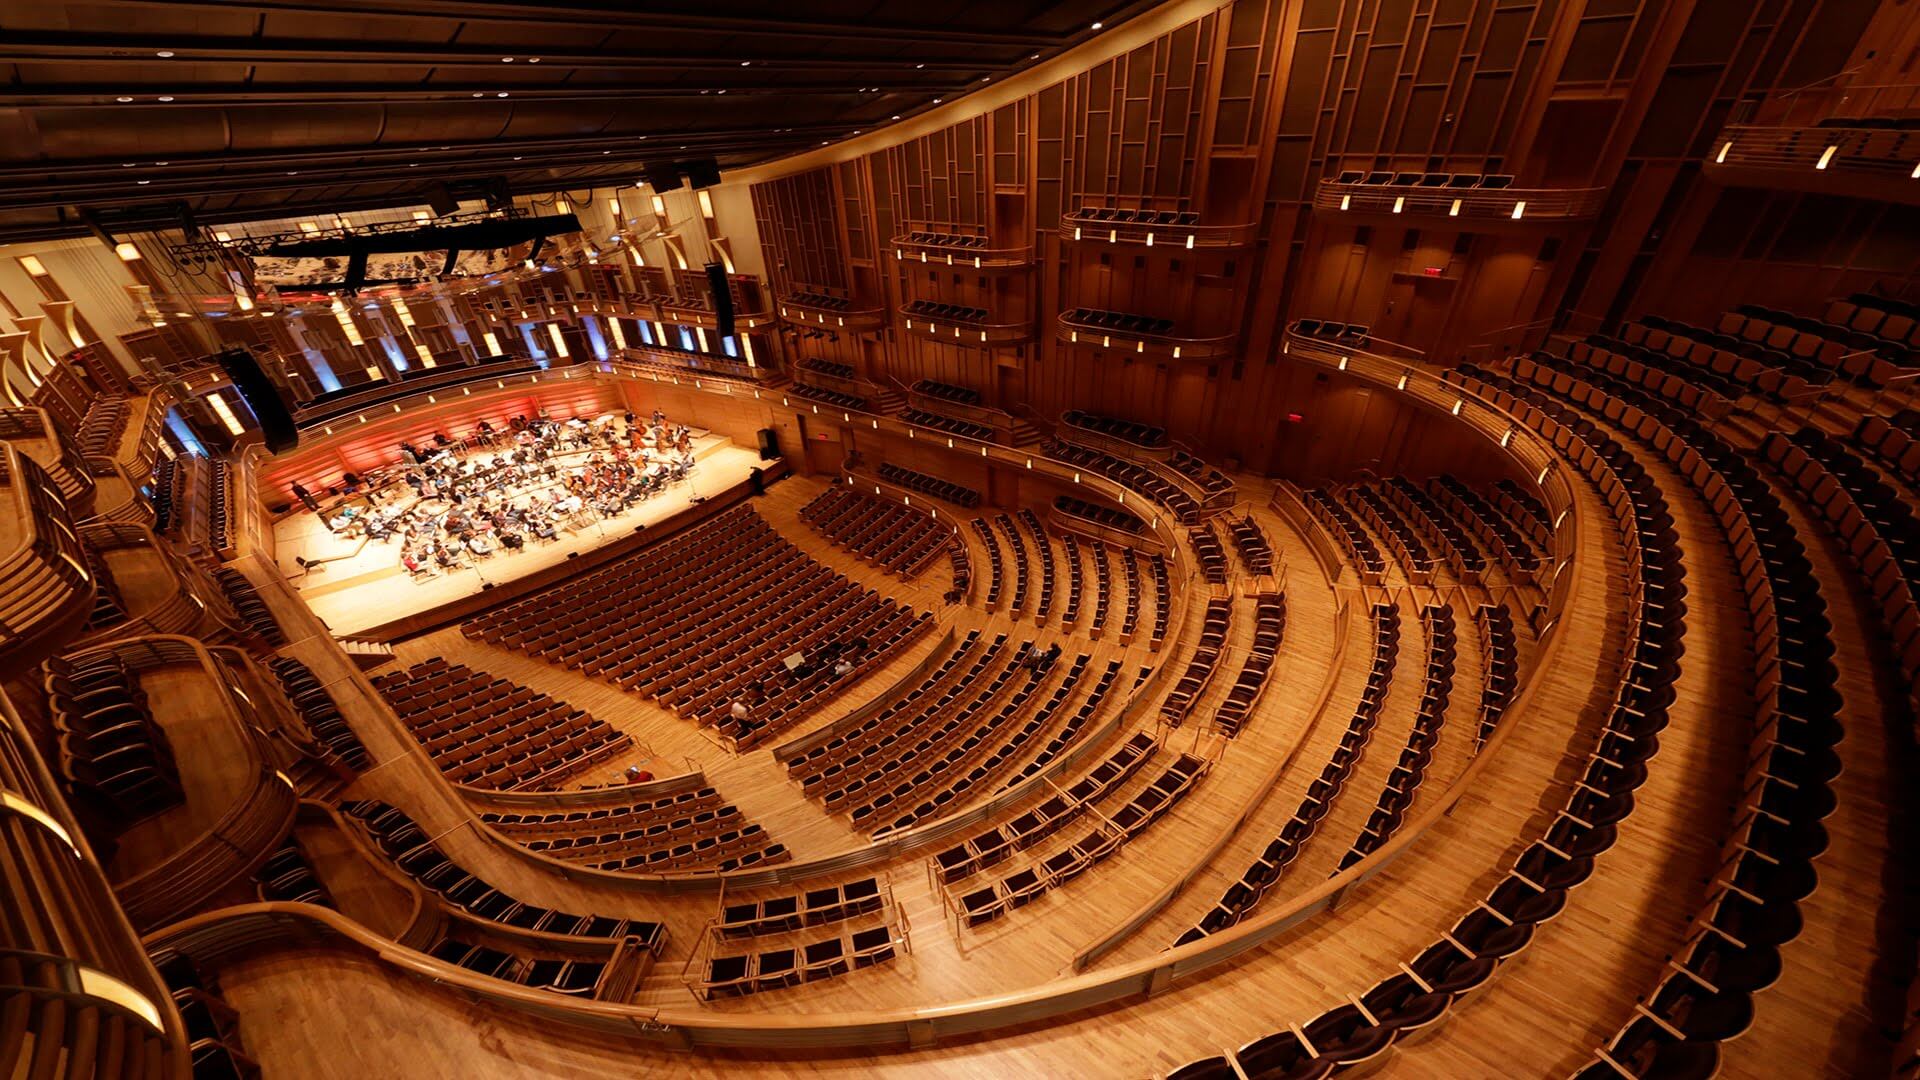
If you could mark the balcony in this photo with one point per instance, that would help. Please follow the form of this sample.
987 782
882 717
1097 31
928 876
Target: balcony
824 310
46 592
1139 335
1862 141
1489 202
1180 230
957 324
948 245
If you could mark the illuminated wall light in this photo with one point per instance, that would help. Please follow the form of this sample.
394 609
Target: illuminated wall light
1106 341
32 265
1457 403
562 206
1915 174
493 343
613 207
223 236
1343 362
1074 337
706 204
1346 201
1399 203
1519 209
421 215
126 251
243 301
1827 158
660 206
559 343
1454 210
309 227
1139 346
345 319
1721 157
700 332
225 413
1544 470
1113 236
1149 239
1076 232
1402 384
619 335
1505 438
16 805
400 309
426 357
1176 352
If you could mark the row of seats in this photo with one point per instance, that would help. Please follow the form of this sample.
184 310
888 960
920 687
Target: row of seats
1118 322
1434 522
933 309
900 476
1113 831
1349 335
824 301
829 368
879 531
1496 532
1861 357
1211 480
1240 898
1004 528
993 845
815 907
1202 662
102 426
1269 628
318 711
1450 181
1425 990
839 399
946 239
1043 554
1121 216
1774 372
1107 516
1768 870
246 601
686 830
215 1047
1209 553
572 977
1403 783
996 571
1130 431
488 732
1894 441
1707 389
1333 516
1500 654
113 755
966 429
411 849
1885 317
1255 550
958 395
1387 521
1134 475
779 968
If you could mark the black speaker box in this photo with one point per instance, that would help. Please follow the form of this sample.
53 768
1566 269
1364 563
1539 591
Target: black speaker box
701 173
662 176
263 398
769 444
722 298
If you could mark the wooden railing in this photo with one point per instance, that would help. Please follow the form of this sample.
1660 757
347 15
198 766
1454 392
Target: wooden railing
1160 346
1088 225
1479 205
934 249
946 331
799 310
1872 161
46 591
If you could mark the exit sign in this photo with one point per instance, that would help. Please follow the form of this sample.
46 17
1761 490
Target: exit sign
1434 271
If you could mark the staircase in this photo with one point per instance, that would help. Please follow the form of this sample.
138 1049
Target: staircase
887 400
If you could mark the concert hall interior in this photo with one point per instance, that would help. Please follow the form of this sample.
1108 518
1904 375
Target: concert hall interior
1202 539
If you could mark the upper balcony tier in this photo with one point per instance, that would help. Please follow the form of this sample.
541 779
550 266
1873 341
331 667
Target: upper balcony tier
825 310
1866 154
1143 335
46 590
1180 230
939 244
1488 201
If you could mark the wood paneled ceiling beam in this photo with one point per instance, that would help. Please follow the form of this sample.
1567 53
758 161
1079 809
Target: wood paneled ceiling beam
64 47
622 16
146 95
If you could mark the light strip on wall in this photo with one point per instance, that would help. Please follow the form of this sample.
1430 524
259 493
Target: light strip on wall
493 343
1827 158
225 413
17 805
98 984
559 343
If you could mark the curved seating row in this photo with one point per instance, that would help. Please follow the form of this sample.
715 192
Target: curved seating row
1269 629
1403 783
1202 662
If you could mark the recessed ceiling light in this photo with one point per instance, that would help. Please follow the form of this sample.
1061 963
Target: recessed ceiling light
163 163
502 93
165 54
986 78
1097 25
506 59
516 157
143 182
722 91
533 59
479 93
917 67
165 97
824 142
746 63
123 99
126 164
1035 56
896 116
293 172
937 101
413 164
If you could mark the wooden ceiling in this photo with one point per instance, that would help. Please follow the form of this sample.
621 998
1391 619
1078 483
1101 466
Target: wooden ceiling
125 112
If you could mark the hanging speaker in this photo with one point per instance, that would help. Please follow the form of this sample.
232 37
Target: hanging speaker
262 398
701 174
662 176
722 298
769 444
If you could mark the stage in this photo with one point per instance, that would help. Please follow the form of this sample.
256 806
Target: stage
356 584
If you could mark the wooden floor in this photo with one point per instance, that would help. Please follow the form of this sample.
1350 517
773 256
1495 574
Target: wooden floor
1542 1016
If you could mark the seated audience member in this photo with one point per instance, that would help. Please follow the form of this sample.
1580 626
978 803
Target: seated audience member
842 667
740 711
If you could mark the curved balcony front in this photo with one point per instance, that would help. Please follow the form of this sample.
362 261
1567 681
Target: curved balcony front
1485 201
951 324
1858 157
822 311
1180 230
937 244
46 590
1137 335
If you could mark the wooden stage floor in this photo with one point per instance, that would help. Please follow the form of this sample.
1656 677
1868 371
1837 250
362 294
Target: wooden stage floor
363 585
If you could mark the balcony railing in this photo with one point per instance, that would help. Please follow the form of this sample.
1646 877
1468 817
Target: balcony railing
1480 205
1834 103
944 245
1078 327
1872 161
946 329
818 310
1178 230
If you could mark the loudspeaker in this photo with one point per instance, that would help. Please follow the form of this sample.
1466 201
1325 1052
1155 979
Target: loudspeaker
722 298
769 444
701 173
263 398
441 201
662 176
